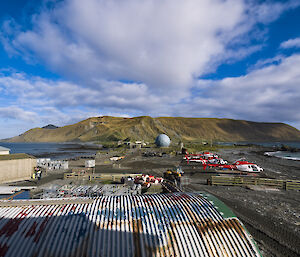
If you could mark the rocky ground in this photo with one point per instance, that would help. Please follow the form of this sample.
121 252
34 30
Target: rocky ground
272 217
273 167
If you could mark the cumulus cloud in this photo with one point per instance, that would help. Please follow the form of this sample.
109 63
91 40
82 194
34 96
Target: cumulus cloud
159 43
269 94
14 112
291 43
162 44
117 96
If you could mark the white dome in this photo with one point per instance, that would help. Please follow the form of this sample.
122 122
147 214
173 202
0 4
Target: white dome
162 140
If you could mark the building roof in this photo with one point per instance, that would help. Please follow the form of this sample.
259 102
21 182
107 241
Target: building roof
16 156
2 148
177 224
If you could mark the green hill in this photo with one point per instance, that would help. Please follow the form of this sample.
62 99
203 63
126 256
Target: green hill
108 128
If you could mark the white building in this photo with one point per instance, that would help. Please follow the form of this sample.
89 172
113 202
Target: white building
89 163
47 163
16 167
4 150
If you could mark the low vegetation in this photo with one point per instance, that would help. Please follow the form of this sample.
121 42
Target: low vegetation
113 129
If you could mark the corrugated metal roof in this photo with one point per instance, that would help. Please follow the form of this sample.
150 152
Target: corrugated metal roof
177 224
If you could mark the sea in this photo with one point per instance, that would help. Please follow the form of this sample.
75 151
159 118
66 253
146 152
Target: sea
55 151
280 154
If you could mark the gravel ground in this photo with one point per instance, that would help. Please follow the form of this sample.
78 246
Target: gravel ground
272 217
273 167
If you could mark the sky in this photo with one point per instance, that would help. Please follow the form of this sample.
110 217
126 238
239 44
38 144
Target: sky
62 61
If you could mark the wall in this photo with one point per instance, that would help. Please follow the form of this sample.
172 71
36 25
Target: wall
14 170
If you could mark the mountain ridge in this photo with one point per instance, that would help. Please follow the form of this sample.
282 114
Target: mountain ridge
50 126
108 128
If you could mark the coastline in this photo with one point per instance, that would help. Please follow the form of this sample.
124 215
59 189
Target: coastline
274 167
66 150
295 156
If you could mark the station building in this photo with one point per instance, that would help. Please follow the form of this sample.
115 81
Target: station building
15 167
4 150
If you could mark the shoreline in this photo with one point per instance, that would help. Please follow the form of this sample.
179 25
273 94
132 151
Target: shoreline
274 167
277 154
66 150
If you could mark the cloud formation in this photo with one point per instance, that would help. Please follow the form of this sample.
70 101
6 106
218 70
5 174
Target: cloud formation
163 44
291 43
14 112
266 93
40 92
269 93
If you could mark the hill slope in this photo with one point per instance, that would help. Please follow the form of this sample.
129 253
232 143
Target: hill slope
50 126
108 128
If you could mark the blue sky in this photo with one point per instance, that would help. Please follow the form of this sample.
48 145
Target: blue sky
64 61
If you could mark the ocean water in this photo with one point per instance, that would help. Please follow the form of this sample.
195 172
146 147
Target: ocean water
274 144
266 144
285 155
50 150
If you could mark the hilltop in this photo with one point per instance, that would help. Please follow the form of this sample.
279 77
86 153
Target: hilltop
107 128
50 126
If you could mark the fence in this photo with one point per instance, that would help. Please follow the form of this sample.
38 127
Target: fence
76 175
292 185
243 181
111 177
98 176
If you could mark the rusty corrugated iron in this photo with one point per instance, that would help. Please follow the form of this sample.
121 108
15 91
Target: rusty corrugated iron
177 224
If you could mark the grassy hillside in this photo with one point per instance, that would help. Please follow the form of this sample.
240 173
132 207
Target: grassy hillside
108 128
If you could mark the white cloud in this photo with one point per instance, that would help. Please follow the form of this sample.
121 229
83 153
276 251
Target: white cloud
14 112
269 93
266 93
291 43
117 96
266 62
164 45
268 11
